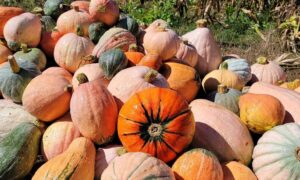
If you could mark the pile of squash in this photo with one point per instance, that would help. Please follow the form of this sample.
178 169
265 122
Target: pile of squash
88 93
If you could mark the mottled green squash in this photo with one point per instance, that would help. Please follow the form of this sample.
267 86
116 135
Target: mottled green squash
33 55
18 151
112 61
15 76
96 30
227 97
54 8
126 22
48 23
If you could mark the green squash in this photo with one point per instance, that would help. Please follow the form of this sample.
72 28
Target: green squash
96 30
112 61
128 23
33 55
18 151
15 76
48 23
227 97
54 8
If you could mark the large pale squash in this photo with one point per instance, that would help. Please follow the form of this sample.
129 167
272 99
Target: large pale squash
209 51
277 153
138 166
7 13
289 99
106 11
221 131
236 171
77 162
187 54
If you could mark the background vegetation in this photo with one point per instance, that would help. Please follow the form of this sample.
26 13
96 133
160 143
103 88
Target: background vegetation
248 28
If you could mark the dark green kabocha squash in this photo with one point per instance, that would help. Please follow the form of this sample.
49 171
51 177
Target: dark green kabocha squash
18 151
112 61
54 8
15 76
48 23
128 23
33 55
227 97
96 30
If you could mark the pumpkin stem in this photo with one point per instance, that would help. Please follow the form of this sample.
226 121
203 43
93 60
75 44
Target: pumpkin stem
155 130
101 9
76 8
280 82
201 23
222 89
37 10
90 58
298 153
24 48
262 60
224 66
151 75
15 68
79 30
133 48
68 88
185 41
82 78
121 151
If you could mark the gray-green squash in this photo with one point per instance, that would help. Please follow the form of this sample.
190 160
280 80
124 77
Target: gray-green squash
227 97
128 23
18 151
33 55
112 61
15 76
96 30
54 8
48 23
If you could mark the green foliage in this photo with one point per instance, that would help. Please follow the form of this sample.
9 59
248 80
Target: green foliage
26 4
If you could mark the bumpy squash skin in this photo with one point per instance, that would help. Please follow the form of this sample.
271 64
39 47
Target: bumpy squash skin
138 166
18 151
261 112
33 55
77 162
12 85
198 164
5 14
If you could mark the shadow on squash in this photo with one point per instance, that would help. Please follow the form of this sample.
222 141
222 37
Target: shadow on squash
211 84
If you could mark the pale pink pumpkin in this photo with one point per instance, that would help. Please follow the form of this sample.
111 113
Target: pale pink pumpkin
25 28
208 49
58 136
58 71
73 51
187 54
106 11
92 71
68 21
82 5
4 53
221 131
267 71
104 156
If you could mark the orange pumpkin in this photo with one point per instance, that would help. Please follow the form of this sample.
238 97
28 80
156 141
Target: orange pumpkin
198 164
133 56
58 71
77 162
153 61
58 136
157 121
49 40
47 97
4 53
5 14
94 110
68 21
182 78
237 171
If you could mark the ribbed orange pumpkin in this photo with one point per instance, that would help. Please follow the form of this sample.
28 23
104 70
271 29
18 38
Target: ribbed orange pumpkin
47 97
106 11
94 110
92 71
4 53
157 121
153 61
68 21
58 136
182 78
73 51
77 162
5 14
58 71
198 164
236 171
49 40
261 112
